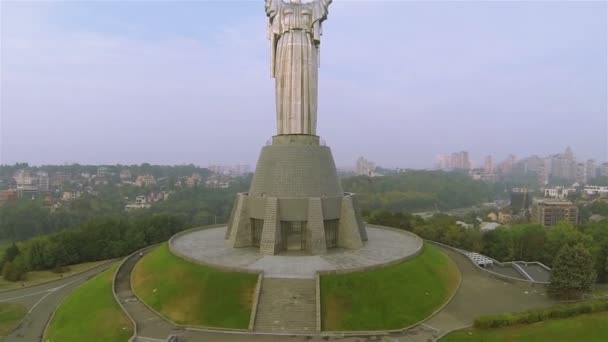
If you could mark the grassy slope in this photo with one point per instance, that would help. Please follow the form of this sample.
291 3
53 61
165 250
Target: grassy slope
192 294
37 277
90 313
391 297
588 328
10 315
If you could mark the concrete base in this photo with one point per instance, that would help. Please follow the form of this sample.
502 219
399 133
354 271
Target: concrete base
296 202
385 246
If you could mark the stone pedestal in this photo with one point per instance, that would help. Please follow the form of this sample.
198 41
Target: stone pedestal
296 202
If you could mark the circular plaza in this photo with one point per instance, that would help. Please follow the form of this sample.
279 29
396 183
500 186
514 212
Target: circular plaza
207 246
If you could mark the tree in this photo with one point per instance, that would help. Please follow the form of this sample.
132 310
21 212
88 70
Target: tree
11 253
14 270
573 273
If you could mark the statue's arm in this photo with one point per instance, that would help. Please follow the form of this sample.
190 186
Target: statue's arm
272 7
320 9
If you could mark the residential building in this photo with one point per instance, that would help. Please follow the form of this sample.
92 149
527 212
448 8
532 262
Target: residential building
140 203
7 195
24 178
488 165
603 170
145 180
43 181
125 175
550 212
505 216
596 190
581 173
559 192
520 199
70 195
455 161
364 167
103 171
591 170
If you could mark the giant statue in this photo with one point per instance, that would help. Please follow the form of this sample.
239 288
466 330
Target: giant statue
295 203
294 31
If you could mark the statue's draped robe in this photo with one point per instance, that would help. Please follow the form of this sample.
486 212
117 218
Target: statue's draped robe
295 31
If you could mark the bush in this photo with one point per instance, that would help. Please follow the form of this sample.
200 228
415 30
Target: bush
14 271
539 315
573 273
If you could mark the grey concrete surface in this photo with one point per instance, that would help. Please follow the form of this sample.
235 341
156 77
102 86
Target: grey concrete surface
384 246
41 301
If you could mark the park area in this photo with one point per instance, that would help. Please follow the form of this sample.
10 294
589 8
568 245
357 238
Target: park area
193 294
91 310
392 297
588 328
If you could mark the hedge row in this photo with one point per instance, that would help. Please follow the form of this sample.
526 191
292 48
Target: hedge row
538 315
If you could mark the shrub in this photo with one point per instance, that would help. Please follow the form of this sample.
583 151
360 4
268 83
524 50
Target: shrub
539 315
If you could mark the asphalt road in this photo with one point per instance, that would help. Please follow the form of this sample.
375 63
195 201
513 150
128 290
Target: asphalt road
41 301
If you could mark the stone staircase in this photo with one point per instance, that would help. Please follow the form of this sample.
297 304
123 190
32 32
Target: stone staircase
287 306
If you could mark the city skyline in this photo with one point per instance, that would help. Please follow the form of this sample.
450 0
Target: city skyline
130 83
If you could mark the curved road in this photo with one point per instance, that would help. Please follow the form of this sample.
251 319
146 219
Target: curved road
41 301
479 294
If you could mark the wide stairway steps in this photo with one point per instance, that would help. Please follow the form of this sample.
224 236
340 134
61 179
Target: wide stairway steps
287 306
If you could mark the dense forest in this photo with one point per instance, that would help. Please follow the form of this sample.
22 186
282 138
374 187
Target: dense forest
413 191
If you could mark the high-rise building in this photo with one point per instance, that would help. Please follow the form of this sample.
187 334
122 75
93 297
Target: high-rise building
364 167
520 199
551 212
603 170
488 165
581 173
43 181
591 170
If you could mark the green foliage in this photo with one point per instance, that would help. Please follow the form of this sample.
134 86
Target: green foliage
10 316
393 219
11 252
90 313
539 315
102 239
14 270
588 328
419 191
387 298
443 228
572 273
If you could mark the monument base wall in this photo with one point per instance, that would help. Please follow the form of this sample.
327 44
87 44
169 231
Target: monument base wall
296 202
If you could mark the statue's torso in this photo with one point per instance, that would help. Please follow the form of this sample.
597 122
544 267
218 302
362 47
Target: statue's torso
296 17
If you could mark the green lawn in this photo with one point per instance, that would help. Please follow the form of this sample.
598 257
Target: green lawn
588 328
37 277
10 315
389 298
91 313
193 294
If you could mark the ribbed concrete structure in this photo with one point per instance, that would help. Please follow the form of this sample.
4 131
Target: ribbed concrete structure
296 202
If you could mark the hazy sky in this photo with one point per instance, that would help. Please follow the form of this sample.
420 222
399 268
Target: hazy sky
400 82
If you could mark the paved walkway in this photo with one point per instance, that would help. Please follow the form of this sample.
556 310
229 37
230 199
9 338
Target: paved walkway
41 301
149 324
479 294
384 245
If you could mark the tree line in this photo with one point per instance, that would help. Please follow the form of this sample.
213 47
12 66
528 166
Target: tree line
583 248
99 239
421 190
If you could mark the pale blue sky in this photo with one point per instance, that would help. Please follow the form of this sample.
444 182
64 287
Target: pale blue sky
400 81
